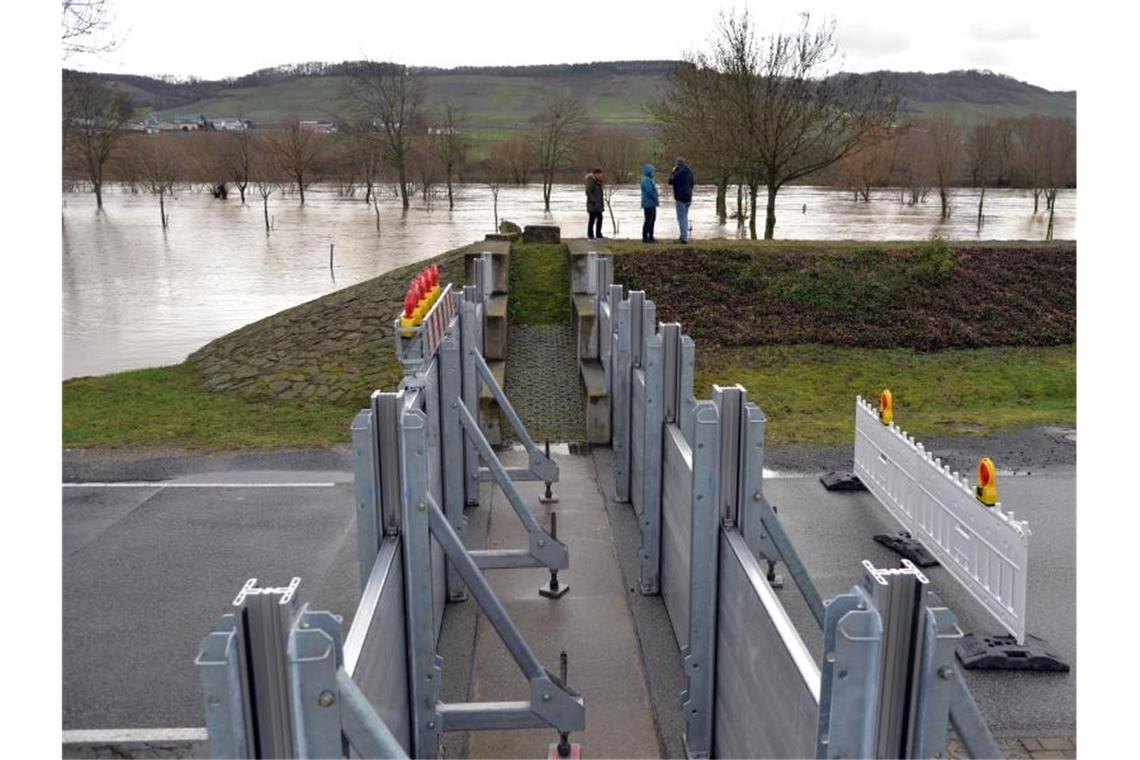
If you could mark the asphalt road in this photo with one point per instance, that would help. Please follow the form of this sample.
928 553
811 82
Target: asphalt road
147 570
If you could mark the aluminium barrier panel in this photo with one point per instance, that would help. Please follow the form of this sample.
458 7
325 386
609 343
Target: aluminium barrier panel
767 682
375 651
986 549
676 530
637 440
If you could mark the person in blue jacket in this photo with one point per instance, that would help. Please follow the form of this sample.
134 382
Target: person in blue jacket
681 178
649 203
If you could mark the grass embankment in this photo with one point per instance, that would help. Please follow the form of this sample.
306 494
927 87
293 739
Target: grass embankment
293 379
539 284
971 339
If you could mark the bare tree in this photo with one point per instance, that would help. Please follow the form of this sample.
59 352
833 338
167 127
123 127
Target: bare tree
265 172
424 162
944 143
914 169
238 158
85 22
1033 133
616 151
156 167
389 97
94 121
555 131
1059 164
516 154
868 167
497 171
984 146
451 145
296 150
691 123
788 115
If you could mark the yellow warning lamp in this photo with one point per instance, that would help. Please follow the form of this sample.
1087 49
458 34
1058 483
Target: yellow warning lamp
987 482
886 407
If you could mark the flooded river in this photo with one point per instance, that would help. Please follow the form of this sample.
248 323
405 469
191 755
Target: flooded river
136 296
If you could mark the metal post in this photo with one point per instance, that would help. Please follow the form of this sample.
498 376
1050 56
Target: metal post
424 666
621 370
452 465
730 404
548 496
699 697
686 398
366 482
652 452
471 342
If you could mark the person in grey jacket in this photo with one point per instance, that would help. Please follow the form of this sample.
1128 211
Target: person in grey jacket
649 203
595 204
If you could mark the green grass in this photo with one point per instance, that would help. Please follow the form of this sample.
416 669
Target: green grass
808 391
167 406
539 284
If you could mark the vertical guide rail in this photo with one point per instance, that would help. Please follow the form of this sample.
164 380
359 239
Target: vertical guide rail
452 443
471 345
424 666
621 366
366 483
652 452
699 696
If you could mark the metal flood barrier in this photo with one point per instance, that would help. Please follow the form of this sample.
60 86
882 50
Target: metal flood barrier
985 548
692 470
277 679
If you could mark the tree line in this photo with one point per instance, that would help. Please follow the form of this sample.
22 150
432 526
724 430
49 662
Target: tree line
754 113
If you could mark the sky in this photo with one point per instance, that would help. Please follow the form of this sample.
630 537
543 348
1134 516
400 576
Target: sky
211 39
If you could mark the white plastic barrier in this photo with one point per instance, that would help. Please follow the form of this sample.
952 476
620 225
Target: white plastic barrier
985 548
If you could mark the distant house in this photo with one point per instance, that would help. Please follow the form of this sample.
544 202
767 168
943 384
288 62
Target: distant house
229 123
319 127
189 123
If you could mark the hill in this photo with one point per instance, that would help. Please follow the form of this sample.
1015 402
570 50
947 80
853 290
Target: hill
501 99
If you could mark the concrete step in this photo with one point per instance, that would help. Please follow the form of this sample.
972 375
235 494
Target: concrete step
586 326
500 251
489 421
597 401
495 328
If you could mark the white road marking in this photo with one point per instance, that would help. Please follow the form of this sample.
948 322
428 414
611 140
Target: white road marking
134 735
163 484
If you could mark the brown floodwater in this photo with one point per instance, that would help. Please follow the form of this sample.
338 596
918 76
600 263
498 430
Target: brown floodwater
135 296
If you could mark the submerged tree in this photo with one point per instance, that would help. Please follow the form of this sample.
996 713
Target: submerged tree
555 132
264 172
984 146
451 145
156 166
296 151
785 113
389 96
943 141
95 118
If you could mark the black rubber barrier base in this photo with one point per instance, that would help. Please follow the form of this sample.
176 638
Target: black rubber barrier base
1002 652
908 547
841 481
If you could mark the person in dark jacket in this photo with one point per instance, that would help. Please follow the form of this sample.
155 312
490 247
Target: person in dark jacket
595 204
681 178
649 203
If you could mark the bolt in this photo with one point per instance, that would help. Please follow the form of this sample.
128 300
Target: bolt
421 506
431 724
546 696
326 699
757 496
542 542
945 672
214 700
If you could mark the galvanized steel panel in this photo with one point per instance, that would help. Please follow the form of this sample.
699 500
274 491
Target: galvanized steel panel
676 525
637 441
375 650
767 683
985 548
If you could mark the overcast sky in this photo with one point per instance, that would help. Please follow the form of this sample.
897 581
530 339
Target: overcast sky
217 38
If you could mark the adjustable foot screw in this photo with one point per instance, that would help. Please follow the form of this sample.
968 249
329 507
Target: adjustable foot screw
548 497
554 590
564 748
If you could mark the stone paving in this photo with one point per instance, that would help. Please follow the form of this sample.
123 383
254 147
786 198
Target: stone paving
542 382
335 348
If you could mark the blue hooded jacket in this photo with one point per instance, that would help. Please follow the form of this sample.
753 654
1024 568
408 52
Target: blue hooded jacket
648 187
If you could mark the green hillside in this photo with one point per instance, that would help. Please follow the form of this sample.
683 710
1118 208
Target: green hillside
499 100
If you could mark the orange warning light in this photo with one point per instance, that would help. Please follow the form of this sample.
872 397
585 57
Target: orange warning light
986 491
886 407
